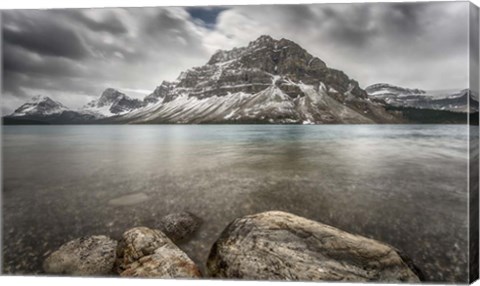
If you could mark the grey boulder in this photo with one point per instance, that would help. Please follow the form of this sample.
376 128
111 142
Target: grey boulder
86 256
179 226
281 246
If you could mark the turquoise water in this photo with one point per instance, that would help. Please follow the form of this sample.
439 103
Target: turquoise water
402 184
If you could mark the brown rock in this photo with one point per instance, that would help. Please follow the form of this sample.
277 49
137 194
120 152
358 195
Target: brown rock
86 256
145 252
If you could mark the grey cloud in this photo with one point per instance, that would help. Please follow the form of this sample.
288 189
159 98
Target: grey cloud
474 49
21 61
352 28
166 28
35 31
19 83
110 23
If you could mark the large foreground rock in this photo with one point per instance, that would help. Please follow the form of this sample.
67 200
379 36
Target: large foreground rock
277 245
93 255
145 252
179 226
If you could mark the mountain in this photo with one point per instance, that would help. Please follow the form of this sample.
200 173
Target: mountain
44 110
381 89
112 102
455 101
39 106
268 81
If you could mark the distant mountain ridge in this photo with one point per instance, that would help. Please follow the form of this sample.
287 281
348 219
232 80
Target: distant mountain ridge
267 81
455 101
385 88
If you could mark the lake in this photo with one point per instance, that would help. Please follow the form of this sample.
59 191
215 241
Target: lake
405 185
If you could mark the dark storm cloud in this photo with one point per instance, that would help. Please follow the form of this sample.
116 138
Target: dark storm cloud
355 25
33 31
109 23
351 29
19 61
44 82
406 17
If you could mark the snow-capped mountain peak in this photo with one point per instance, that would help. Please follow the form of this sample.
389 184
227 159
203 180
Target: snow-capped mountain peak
40 105
109 97
112 102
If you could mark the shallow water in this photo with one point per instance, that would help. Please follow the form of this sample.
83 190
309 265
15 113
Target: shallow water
402 184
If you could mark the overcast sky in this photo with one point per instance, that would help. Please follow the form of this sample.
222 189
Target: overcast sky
73 55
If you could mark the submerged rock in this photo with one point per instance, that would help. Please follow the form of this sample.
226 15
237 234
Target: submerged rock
93 255
179 226
280 246
145 252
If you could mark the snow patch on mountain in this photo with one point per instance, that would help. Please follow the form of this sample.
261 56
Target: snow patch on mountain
384 89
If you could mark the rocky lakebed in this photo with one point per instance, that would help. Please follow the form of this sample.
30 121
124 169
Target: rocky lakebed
272 245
